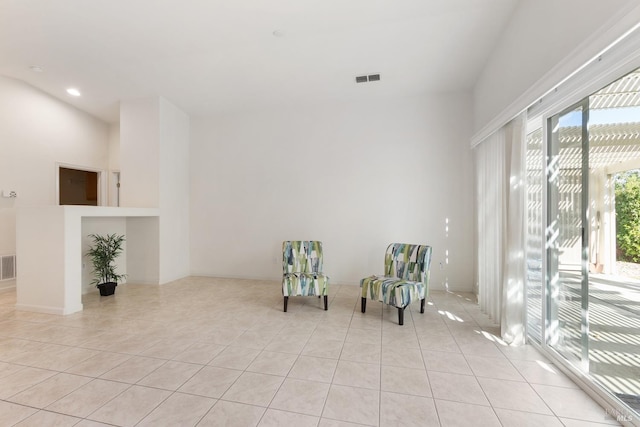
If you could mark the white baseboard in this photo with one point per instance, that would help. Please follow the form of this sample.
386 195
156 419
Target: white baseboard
48 309
7 285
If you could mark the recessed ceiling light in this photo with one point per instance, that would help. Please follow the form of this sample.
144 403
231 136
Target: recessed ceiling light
278 33
36 68
73 91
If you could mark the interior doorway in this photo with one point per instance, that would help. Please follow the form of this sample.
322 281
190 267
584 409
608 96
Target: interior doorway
78 187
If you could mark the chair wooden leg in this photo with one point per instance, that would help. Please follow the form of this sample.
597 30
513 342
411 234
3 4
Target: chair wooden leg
422 305
326 302
401 316
286 300
363 305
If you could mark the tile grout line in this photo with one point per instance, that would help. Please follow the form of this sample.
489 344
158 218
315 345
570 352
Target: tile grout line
456 335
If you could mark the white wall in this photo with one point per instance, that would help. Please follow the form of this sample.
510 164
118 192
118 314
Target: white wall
174 192
36 132
114 164
546 39
114 147
143 251
356 176
140 153
154 167
101 226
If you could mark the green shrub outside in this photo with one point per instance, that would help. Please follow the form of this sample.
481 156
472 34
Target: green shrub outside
627 189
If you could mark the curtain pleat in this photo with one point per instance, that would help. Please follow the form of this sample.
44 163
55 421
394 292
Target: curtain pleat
490 194
513 290
500 228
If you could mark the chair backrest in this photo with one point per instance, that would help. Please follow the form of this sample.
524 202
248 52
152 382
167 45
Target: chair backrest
302 256
408 262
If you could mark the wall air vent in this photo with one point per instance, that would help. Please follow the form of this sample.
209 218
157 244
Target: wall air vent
369 78
7 267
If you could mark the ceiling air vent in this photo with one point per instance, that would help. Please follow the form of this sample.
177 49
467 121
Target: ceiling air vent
369 78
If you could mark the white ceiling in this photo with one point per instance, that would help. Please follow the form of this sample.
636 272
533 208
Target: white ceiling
212 56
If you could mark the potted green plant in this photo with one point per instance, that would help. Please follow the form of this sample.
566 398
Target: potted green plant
103 252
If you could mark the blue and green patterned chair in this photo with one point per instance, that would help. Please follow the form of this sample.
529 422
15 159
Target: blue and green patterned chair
406 278
302 270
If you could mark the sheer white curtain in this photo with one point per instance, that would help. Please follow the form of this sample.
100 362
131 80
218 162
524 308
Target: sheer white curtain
500 204
491 216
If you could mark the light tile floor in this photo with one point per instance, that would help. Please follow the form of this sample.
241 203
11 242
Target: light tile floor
220 352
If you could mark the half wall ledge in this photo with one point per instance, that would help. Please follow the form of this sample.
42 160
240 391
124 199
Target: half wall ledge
49 253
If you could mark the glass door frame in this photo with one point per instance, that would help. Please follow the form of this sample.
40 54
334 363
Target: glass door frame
609 67
551 333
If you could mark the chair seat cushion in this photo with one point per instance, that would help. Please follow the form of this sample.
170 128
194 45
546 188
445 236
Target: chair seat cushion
391 290
305 284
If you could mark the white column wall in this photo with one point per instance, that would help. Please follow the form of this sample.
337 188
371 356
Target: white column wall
357 176
154 168
139 153
114 147
114 164
174 192
36 132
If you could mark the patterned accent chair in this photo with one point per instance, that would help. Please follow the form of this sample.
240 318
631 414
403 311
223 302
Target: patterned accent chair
302 270
406 278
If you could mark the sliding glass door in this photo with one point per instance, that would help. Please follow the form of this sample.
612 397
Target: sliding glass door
567 246
583 245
